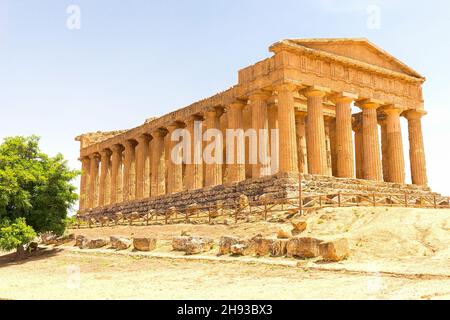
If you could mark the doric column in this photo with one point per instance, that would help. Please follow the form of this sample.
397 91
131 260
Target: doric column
236 147
300 129
213 173
359 150
395 145
129 171
93 180
384 147
105 180
274 138
371 142
142 167
330 142
286 123
158 183
84 182
315 131
258 105
175 163
416 147
116 174
194 166
345 159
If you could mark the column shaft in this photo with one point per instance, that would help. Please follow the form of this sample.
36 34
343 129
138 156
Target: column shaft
286 122
258 105
84 183
274 139
359 151
93 180
175 163
105 181
384 150
300 128
235 147
315 133
213 173
371 143
194 167
158 183
345 159
142 167
129 172
395 146
116 175
416 148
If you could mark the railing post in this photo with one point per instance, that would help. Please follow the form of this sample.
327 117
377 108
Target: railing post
209 214
374 200
434 200
166 217
300 194
339 199
406 200
186 216
320 200
147 219
236 215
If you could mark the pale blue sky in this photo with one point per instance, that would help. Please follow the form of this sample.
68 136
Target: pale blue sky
135 59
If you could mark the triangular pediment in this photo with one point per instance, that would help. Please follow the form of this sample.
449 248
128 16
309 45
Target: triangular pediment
358 49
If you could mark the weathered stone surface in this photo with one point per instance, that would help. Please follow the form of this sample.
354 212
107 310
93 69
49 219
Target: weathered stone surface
335 250
192 244
179 243
144 244
244 247
79 240
198 245
305 247
283 234
120 243
278 247
225 244
48 238
299 225
94 243
262 245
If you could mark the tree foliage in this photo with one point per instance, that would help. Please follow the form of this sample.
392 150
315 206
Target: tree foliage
15 234
35 186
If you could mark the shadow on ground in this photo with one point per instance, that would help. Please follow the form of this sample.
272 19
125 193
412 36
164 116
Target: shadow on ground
12 259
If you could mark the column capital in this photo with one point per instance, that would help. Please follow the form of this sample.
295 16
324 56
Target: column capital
300 114
392 109
159 133
259 94
315 91
287 86
128 144
105 153
343 97
369 103
117 148
143 139
94 156
236 105
172 127
84 158
413 114
194 117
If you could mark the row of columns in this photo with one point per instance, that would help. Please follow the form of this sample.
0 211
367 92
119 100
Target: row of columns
308 142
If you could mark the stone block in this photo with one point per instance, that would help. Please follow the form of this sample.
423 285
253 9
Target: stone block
305 247
335 250
225 244
120 243
144 244
278 247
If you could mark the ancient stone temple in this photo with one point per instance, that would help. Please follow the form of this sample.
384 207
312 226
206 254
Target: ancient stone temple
335 105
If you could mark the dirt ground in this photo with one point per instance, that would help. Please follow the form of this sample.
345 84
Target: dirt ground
395 254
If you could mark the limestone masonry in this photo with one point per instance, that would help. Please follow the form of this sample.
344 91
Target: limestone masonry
305 90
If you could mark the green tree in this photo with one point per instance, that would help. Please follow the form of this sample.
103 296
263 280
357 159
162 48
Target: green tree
13 235
35 186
